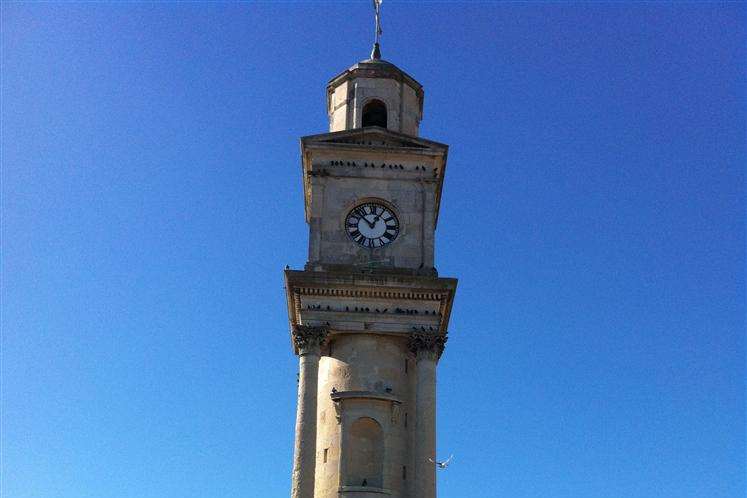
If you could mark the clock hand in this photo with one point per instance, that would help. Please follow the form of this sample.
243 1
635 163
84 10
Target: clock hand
375 221
370 225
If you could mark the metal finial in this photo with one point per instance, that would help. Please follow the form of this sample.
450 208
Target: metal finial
376 52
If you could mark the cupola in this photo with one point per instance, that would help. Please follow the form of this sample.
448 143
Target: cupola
375 92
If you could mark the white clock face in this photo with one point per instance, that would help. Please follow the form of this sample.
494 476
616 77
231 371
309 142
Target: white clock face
372 225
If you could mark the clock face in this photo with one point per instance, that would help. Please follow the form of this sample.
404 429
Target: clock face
372 225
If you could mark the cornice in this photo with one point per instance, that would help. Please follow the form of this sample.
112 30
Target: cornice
361 281
361 137
371 293
438 291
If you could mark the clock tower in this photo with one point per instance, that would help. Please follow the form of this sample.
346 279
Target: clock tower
369 314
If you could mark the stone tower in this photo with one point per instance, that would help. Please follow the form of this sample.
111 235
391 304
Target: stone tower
369 314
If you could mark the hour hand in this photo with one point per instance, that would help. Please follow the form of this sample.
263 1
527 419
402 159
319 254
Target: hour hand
370 225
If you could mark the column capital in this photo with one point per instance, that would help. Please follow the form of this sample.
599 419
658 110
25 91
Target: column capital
308 338
427 344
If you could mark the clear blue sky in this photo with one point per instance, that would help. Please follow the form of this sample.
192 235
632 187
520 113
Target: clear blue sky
593 212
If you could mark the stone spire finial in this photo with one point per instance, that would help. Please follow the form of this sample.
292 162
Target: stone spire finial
308 338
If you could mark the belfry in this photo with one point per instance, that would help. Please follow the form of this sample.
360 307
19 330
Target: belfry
368 314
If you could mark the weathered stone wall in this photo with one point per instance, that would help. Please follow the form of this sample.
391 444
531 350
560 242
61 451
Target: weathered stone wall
347 99
410 190
369 365
338 112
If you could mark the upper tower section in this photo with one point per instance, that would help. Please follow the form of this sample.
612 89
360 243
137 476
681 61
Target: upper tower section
375 92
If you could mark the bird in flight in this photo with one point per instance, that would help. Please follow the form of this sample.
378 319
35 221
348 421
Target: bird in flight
441 465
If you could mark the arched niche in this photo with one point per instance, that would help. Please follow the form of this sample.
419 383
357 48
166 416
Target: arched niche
366 464
374 113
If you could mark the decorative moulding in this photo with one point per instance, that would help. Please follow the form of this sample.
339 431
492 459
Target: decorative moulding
339 396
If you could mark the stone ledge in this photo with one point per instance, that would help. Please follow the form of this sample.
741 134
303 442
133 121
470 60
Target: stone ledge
340 395
364 489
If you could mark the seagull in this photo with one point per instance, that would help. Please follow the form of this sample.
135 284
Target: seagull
442 465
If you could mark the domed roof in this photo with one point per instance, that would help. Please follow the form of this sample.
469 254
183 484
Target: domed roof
375 68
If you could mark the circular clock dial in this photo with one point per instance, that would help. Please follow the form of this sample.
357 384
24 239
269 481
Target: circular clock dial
372 225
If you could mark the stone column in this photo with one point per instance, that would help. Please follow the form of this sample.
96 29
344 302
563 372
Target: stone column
308 341
427 348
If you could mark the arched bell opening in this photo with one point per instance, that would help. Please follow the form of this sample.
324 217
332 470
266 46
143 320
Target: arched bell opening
366 464
374 113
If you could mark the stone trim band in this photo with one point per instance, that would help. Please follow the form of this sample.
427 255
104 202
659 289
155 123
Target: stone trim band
384 294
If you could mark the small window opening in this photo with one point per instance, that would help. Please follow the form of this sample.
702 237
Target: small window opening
405 419
404 472
326 451
406 365
374 114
